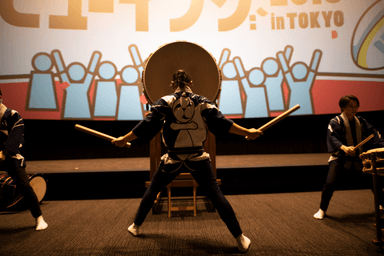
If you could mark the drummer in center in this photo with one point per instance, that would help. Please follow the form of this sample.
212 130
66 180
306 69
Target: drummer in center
11 161
344 132
184 118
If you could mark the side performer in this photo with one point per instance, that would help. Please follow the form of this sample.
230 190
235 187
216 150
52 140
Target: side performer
344 132
184 116
12 138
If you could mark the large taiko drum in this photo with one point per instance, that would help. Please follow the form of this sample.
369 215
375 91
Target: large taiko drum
368 163
194 59
10 196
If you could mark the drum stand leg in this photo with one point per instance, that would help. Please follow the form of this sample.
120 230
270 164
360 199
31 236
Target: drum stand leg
156 208
378 241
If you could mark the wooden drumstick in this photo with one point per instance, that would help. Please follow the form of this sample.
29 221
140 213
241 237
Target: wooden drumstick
278 118
364 141
97 134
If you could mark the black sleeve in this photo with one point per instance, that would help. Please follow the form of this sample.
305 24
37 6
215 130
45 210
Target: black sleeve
215 120
15 133
153 122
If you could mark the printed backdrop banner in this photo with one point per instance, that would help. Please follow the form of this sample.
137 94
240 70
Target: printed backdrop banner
83 59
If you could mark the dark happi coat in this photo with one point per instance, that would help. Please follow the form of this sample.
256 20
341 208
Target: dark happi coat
340 133
11 136
185 118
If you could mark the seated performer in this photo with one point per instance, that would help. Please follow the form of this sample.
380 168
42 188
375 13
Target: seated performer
344 132
184 118
12 138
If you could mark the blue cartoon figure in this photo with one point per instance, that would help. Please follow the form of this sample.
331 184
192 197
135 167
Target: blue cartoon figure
300 79
256 101
230 101
130 107
105 95
76 102
274 81
41 88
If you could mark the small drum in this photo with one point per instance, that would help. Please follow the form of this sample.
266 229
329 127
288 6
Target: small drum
367 161
194 59
10 196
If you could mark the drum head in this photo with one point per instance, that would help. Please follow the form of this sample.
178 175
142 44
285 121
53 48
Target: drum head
195 60
39 186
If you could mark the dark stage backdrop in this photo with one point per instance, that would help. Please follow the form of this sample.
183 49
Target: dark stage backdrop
58 139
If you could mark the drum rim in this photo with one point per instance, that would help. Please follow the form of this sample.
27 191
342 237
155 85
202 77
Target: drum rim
18 197
143 82
374 150
45 186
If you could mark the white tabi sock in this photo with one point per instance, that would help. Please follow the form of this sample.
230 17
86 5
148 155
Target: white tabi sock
243 243
319 215
134 229
40 223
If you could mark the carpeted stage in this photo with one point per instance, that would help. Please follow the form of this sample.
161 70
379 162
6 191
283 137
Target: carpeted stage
90 203
277 224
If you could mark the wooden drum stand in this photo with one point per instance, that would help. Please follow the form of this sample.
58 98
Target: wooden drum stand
183 179
373 162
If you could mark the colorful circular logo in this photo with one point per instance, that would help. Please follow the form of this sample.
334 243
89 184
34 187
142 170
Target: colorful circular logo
368 38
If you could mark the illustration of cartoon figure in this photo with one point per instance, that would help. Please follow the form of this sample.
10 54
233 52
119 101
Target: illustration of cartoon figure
41 93
256 100
258 94
76 102
135 55
130 107
274 81
105 95
230 101
300 80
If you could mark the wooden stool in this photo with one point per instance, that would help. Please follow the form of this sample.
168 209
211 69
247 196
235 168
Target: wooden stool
182 180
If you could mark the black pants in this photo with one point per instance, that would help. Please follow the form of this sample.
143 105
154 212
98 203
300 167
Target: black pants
337 172
206 179
20 178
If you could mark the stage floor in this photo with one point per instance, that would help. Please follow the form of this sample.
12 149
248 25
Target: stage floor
142 163
277 224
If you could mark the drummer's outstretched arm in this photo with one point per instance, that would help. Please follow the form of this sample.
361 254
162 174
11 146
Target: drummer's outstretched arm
122 140
249 133
2 156
349 150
